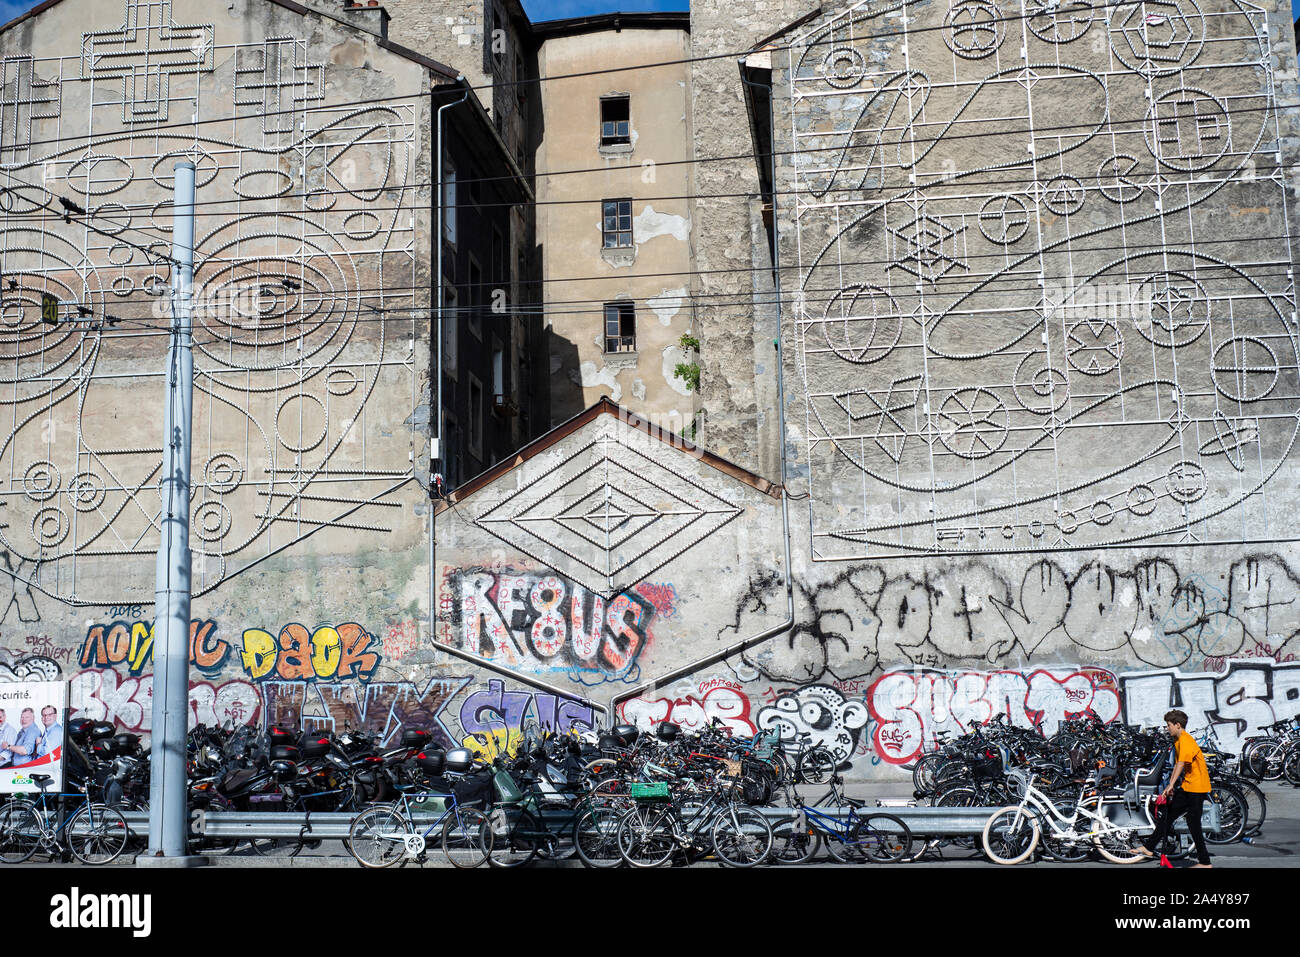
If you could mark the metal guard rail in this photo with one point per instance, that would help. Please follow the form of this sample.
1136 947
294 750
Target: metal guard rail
921 821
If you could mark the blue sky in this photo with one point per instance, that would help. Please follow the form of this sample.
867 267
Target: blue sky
561 9
537 9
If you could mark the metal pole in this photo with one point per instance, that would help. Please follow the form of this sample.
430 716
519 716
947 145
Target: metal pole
171 684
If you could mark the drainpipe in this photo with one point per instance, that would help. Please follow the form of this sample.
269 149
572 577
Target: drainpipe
476 660
717 656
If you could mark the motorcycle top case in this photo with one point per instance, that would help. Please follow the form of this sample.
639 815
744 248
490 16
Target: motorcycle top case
315 746
285 752
280 736
79 730
432 762
416 738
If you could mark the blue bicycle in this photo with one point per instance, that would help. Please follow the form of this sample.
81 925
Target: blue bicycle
96 833
853 839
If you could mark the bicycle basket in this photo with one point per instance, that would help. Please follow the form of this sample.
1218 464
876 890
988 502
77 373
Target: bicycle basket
650 792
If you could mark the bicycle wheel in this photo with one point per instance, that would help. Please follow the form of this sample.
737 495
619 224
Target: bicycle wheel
1290 770
1065 850
1010 835
378 836
816 766
1116 844
645 836
20 831
1263 762
516 837
595 835
882 838
924 771
1232 814
741 836
466 837
959 797
96 834
794 841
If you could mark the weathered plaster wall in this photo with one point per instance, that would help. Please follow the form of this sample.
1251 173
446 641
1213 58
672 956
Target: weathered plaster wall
580 276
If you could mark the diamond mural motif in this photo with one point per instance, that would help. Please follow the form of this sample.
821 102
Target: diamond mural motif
608 516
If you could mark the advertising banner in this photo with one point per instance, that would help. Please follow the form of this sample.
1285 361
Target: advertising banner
32 714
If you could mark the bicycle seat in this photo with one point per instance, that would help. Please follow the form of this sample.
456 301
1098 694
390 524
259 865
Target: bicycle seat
42 781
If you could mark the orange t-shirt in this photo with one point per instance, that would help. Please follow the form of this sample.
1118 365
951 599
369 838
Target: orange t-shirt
1196 779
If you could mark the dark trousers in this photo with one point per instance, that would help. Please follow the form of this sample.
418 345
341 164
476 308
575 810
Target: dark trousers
1182 802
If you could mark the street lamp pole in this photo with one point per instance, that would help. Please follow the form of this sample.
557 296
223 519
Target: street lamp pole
168 814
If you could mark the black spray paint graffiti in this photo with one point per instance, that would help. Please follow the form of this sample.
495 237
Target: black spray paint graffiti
28 668
19 572
864 620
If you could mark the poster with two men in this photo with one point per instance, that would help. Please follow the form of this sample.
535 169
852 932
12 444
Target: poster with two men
31 733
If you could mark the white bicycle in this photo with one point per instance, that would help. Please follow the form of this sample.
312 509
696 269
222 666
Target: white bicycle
1012 833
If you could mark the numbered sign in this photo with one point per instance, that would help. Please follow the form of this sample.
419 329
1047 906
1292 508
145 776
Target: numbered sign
49 309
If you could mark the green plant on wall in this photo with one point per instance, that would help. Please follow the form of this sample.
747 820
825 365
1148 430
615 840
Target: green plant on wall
689 372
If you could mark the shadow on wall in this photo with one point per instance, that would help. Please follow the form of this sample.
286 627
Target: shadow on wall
566 393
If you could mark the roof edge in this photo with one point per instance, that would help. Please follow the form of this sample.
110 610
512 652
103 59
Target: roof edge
600 22
384 43
606 407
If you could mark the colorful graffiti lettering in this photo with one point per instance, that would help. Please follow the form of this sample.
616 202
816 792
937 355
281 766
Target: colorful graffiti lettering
127 701
911 706
539 620
694 708
501 716
330 653
131 644
382 707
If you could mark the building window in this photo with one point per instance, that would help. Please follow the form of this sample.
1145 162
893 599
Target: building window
521 92
450 319
498 374
449 203
500 268
475 418
618 223
475 298
615 121
450 449
620 327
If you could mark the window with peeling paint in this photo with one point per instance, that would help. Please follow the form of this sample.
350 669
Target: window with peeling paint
620 327
615 120
617 224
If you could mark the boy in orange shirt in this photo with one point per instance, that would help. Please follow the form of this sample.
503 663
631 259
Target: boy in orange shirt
1188 799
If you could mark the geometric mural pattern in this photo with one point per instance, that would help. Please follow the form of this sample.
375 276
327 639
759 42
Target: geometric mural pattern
1045 294
304 304
608 516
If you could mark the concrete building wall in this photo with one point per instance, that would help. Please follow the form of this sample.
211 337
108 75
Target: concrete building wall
654 274
1041 351
734 304
311 344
